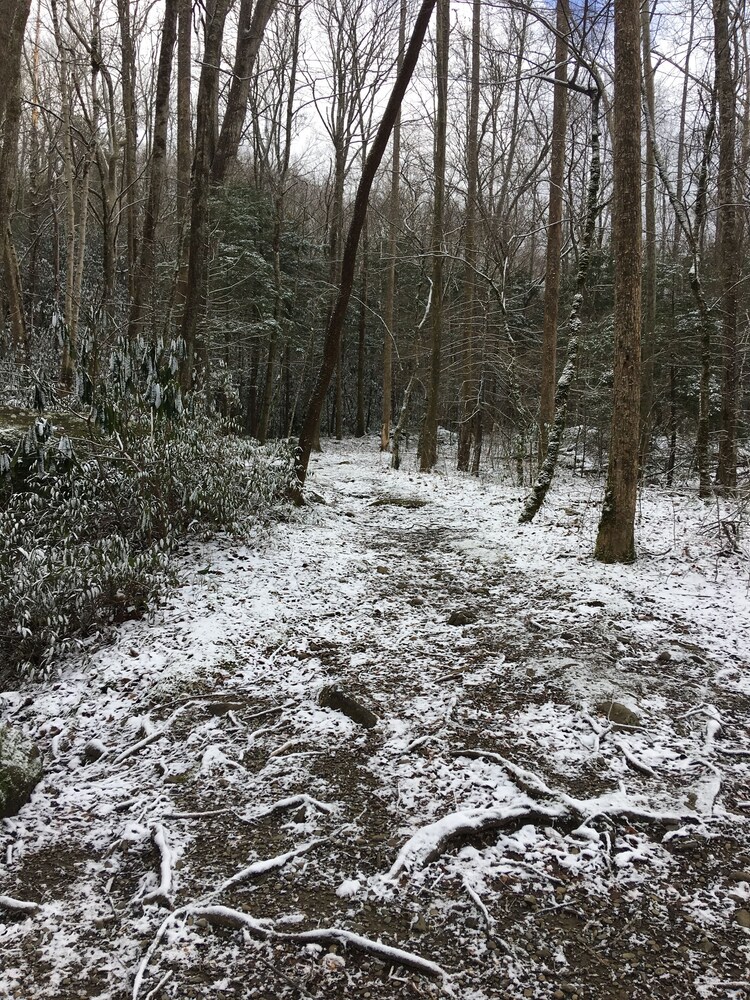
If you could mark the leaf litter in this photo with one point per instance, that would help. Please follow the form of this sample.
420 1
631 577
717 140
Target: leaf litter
549 795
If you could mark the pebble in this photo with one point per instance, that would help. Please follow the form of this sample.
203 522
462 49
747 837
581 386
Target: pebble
743 918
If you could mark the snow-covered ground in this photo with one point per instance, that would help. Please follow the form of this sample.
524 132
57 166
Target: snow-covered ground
404 748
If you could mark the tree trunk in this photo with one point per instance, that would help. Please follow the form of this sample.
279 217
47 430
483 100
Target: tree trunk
389 314
253 19
554 230
144 284
726 473
360 427
544 480
205 142
470 387
131 128
649 290
428 437
335 326
616 536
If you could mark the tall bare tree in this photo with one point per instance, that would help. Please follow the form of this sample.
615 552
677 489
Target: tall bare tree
428 437
726 473
554 228
336 323
616 536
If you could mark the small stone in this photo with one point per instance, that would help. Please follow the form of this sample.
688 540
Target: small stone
420 924
743 918
739 876
381 569
560 892
528 992
618 715
664 657
93 751
464 617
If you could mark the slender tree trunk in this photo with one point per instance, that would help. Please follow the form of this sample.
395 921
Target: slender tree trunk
205 142
544 480
554 230
129 195
470 386
144 284
252 25
616 537
279 210
362 346
335 326
726 473
649 290
389 313
428 437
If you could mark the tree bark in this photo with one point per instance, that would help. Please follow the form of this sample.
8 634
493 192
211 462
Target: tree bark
649 289
389 313
428 437
253 19
726 473
144 284
470 385
554 230
616 536
544 480
205 143
335 326
131 134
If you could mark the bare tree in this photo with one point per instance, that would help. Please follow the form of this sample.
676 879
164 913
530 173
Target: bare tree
428 437
616 536
335 326
554 229
726 473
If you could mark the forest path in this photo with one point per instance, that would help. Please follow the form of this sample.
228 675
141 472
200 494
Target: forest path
590 722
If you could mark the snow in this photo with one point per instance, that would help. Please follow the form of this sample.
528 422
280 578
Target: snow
292 814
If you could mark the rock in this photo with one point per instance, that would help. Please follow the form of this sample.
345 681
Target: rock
619 715
464 617
332 697
739 876
664 657
743 918
93 751
420 924
20 771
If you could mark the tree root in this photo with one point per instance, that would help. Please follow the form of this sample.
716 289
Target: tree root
264 930
161 895
18 906
432 840
224 916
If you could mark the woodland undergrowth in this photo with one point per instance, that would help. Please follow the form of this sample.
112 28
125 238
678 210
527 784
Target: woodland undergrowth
90 541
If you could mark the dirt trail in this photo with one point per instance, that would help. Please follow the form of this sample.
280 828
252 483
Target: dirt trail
590 724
